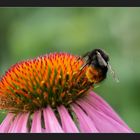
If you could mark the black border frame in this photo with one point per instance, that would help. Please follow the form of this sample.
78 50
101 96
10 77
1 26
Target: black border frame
71 136
70 3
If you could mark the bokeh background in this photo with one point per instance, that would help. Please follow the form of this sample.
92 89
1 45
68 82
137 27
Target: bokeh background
29 32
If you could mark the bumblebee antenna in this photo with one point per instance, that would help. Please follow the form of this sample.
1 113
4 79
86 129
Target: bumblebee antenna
113 73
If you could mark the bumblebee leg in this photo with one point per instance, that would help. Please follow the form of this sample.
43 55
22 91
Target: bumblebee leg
81 57
86 54
83 66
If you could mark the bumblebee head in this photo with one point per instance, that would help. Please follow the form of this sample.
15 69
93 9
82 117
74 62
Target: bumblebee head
99 58
103 54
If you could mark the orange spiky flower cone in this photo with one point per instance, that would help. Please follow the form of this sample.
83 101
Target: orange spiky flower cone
47 80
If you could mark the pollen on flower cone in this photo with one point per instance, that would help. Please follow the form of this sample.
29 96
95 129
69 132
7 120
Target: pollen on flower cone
47 80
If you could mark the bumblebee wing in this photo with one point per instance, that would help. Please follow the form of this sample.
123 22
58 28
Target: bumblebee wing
100 59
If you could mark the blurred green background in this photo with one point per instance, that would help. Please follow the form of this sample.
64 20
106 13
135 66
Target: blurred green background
29 32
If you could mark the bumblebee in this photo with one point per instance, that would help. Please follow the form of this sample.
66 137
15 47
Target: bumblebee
97 62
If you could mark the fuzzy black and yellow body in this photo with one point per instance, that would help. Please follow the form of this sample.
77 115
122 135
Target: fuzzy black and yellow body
95 75
96 65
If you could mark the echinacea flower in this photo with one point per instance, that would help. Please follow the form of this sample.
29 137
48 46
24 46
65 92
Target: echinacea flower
50 94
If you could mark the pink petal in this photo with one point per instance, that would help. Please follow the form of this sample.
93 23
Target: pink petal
51 123
36 123
14 124
5 125
102 105
67 123
21 126
86 124
103 122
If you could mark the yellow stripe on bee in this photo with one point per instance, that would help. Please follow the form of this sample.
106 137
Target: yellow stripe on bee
93 74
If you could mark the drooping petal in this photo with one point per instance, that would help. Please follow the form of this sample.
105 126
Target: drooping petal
51 123
86 124
68 124
21 126
5 125
103 106
14 124
36 123
103 122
